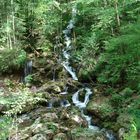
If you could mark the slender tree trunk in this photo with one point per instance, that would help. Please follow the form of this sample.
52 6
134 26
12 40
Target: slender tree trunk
13 22
105 3
117 13
9 41
8 45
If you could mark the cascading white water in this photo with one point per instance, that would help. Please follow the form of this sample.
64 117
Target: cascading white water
67 33
66 64
65 103
82 105
109 135
69 69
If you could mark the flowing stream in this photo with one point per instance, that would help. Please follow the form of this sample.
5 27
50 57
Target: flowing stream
71 71
75 98
67 33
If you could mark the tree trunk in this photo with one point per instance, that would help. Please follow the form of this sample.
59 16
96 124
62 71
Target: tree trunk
13 22
117 13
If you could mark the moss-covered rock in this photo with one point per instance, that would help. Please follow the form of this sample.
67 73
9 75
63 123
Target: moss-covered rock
60 136
86 134
100 107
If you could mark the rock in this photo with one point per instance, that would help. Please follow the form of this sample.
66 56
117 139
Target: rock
73 119
16 136
25 121
124 121
49 134
86 134
50 117
100 107
64 129
2 108
78 120
121 132
138 135
52 87
38 137
60 136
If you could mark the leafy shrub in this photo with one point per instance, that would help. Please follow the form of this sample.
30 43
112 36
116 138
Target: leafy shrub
121 58
134 110
116 100
5 122
127 92
110 91
11 59
20 100
132 134
28 78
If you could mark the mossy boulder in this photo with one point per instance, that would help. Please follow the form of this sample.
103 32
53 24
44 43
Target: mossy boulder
86 134
60 136
100 107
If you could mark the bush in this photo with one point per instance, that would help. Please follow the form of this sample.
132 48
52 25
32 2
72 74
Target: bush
5 123
116 100
127 92
11 59
110 91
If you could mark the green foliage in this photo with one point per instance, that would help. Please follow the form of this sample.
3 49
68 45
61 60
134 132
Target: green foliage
132 134
127 92
122 57
116 100
5 123
11 59
110 91
20 100
134 110
29 78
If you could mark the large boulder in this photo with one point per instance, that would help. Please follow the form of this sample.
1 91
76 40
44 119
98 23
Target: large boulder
60 136
51 87
72 119
87 134
99 107
38 137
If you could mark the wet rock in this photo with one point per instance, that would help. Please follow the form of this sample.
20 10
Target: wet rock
47 67
78 120
73 120
121 132
60 136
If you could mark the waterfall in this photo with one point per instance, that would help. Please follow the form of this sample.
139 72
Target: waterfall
27 69
82 105
65 51
70 70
